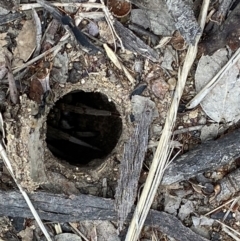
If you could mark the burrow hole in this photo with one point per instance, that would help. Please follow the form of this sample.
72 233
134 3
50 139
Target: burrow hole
83 126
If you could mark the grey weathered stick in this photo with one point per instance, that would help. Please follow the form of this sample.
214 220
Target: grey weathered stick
207 157
60 208
133 156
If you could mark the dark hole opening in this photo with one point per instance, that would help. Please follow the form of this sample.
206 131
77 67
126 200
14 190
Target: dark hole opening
83 126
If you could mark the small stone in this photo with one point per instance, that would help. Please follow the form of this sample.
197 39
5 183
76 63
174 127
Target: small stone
172 83
68 46
160 88
193 114
185 118
67 237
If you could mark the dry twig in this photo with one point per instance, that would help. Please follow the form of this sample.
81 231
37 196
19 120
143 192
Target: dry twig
109 19
163 149
28 6
28 201
112 56
32 61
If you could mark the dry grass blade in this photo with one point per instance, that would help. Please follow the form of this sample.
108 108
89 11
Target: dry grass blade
200 96
227 229
162 153
75 229
38 32
223 205
32 61
28 201
231 207
112 56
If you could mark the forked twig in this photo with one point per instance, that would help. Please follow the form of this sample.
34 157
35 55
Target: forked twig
28 201
162 153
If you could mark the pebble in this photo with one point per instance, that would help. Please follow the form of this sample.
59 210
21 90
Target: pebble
172 83
68 46
160 88
202 120
193 114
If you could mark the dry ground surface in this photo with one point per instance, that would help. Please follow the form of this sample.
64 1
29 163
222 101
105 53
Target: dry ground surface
85 91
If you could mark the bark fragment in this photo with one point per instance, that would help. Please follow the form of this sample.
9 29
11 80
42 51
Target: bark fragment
206 157
134 152
133 43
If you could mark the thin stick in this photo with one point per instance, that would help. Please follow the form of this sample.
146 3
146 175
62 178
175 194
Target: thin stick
224 225
78 232
201 95
32 61
230 209
109 20
226 230
221 206
188 129
29 6
28 201
161 155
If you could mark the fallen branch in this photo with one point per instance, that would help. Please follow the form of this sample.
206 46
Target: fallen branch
206 157
60 208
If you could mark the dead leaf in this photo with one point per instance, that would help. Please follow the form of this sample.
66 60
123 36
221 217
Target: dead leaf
209 132
222 102
36 90
26 43
27 234
160 88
